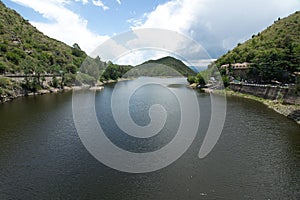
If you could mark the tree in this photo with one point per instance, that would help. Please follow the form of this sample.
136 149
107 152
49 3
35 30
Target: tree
226 81
200 79
191 79
76 51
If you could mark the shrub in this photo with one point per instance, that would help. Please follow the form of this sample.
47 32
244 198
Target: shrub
191 79
3 47
226 81
14 58
82 78
5 82
70 79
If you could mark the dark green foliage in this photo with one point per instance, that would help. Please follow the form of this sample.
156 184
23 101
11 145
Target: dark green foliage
191 79
200 79
13 57
70 79
3 47
226 81
76 51
275 52
113 71
71 68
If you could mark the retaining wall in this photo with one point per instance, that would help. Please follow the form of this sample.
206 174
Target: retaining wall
285 94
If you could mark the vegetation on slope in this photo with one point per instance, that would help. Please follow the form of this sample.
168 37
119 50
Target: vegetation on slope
273 56
25 50
159 67
23 47
274 53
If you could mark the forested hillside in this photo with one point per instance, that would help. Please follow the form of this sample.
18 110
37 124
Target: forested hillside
273 54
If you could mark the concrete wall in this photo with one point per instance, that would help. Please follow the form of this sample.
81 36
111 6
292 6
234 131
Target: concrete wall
288 95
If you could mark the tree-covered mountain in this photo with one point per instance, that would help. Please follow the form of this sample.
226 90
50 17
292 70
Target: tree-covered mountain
166 66
272 55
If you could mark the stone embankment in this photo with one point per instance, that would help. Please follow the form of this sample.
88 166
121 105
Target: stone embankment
284 100
285 95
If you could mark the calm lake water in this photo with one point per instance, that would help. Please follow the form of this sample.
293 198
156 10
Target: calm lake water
42 157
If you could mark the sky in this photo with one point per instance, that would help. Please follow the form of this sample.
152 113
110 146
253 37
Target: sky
217 25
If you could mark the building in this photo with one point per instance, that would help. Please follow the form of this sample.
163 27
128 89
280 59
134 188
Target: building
237 70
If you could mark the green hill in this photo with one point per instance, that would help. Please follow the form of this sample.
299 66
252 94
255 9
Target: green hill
160 67
21 45
273 54
25 50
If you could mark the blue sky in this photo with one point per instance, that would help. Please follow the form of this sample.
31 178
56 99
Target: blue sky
218 25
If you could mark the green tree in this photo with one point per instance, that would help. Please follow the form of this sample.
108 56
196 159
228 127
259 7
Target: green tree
191 79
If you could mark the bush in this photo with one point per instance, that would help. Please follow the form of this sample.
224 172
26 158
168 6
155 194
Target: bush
191 79
19 52
3 47
5 82
70 79
226 81
14 58
71 68
200 79
82 78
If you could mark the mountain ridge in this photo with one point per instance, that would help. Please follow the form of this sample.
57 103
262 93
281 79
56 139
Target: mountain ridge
172 63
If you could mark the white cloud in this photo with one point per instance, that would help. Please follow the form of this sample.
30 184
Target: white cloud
65 25
100 4
217 24
84 2
138 57
119 2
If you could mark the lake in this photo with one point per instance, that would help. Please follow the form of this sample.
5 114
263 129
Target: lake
42 157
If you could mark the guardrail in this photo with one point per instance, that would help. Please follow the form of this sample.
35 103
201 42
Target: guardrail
261 85
29 75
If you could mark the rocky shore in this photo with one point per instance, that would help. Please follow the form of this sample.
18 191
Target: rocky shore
288 110
13 94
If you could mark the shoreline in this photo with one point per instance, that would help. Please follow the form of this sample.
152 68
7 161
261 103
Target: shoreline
23 93
288 110
15 94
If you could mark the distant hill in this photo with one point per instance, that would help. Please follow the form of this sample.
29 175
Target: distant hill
160 67
273 54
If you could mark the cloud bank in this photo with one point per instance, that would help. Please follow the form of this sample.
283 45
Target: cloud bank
217 24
